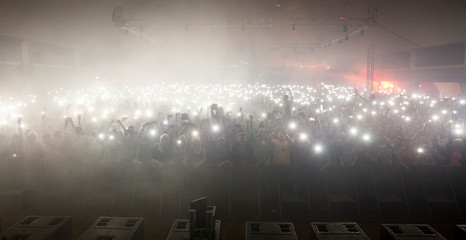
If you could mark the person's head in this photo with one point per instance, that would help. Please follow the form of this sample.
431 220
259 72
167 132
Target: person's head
131 131
285 98
79 131
164 140
458 145
242 138
195 144
261 133
182 140
31 137
220 141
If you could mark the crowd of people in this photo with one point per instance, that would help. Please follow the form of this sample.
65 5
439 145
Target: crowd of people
232 125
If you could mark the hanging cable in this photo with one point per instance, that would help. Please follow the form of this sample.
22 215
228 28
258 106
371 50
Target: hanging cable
398 35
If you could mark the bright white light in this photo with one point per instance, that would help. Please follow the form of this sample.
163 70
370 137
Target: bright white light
264 115
165 122
179 142
292 125
101 136
149 113
195 133
444 111
353 131
152 132
366 137
420 150
407 119
462 102
335 120
435 117
459 131
359 116
318 148
303 136
215 128
111 137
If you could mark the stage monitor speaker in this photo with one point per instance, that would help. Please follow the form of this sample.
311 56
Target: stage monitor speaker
40 228
115 228
460 232
201 224
409 232
270 231
181 228
337 231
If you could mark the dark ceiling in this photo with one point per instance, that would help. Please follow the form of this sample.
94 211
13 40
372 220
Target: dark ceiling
218 32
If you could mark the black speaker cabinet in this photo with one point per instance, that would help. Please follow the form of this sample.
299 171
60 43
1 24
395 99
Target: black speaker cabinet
40 228
409 232
115 228
460 232
270 231
337 231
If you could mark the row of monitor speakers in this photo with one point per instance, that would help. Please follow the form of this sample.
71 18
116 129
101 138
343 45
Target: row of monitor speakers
121 228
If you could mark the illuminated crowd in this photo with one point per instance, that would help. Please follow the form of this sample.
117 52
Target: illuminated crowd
232 125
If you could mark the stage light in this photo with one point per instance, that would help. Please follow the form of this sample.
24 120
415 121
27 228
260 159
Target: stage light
215 128
420 150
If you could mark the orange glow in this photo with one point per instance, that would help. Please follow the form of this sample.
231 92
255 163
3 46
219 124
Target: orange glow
388 84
